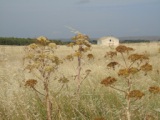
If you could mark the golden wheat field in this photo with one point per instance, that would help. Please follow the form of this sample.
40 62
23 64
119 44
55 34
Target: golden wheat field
95 101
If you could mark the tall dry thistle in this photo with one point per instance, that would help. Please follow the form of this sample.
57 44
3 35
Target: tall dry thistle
41 61
133 63
81 42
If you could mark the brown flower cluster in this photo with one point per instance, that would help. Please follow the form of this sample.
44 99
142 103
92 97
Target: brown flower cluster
126 72
63 80
108 81
42 41
146 67
81 39
31 83
90 56
70 45
69 57
80 36
136 94
124 49
112 65
135 57
110 54
154 89
87 71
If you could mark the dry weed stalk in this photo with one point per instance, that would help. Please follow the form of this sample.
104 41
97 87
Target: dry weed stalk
82 42
42 62
133 64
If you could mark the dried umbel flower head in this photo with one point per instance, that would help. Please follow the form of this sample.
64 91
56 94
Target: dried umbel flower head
150 117
129 49
82 40
146 68
88 71
121 48
136 94
133 70
154 89
80 36
135 57
110 54
123 72
126 72
42 40
70 44
112 65
52 45
69 57
78 54
108 81
90 56
63 80
33 46
31 83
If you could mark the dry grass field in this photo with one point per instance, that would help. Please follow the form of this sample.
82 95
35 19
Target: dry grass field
95 102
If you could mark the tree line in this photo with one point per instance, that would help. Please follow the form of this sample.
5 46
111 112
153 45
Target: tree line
27 41
24 41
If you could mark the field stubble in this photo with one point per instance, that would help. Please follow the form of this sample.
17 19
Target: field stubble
96 101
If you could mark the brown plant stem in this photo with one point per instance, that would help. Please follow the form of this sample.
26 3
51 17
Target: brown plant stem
117 89
128 112
48 103
79 75
37 91
124 60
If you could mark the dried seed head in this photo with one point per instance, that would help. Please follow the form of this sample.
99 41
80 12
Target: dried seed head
129 49
150 117
136 94
88 71
57 61
71 44
146 68
69 57
133 70
63 80
123 72
52 45
33 46
112 64
126 72
121 48
49 68
108 81
42 40
87 44
81 49
90 56
154 89
78 54
80 36
110 54
135 57
31 83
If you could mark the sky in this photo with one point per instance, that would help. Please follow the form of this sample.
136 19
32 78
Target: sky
97 18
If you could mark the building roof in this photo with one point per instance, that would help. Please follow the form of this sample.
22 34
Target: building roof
107 37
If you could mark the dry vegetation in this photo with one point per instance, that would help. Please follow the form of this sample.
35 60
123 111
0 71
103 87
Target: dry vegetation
95 101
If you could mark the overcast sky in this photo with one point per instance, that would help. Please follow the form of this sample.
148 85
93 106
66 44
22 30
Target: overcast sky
96 18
